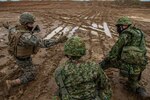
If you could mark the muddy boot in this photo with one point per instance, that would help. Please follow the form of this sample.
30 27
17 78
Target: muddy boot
142 93
10 84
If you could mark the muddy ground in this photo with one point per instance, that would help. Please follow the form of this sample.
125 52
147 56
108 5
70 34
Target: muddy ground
50 16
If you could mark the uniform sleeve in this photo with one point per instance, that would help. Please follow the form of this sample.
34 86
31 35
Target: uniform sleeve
104 86
143 43
28 39
56 74
117 48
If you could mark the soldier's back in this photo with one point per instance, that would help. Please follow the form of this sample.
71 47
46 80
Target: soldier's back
80 80
136 36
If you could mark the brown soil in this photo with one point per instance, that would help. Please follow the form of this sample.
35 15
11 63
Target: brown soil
49 14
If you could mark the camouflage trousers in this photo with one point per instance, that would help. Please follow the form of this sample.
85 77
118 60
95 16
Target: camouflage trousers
28 69
133 72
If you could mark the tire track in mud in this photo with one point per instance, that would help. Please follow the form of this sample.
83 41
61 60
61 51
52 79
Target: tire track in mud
102 37
55 58
90 15
91 18
89 33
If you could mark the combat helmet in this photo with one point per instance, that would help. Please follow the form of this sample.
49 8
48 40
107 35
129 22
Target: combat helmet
124 21
26 18
74 47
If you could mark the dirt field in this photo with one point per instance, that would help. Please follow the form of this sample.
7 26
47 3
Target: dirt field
79 18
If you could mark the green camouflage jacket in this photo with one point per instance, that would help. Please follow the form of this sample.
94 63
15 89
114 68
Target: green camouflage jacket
82 81
130 46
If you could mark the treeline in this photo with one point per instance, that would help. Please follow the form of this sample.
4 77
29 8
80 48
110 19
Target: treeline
123 2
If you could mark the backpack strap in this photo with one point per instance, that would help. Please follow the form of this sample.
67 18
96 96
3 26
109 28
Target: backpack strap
138 30
62 86
62 90
97 96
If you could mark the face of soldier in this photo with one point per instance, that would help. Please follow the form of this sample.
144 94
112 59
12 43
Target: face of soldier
121 28
30 26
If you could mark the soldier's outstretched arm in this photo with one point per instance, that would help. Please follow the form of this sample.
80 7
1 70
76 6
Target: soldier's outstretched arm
28 39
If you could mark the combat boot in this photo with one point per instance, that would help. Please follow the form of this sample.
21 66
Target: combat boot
11 83
142 93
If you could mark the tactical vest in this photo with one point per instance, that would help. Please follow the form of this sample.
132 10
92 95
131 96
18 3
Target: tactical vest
14 47
134 52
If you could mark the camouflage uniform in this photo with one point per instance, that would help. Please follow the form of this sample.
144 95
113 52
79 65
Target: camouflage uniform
79 80
23 43
128 54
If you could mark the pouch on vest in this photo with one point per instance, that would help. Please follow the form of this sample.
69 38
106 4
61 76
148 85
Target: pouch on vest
13 39
133 55
11 50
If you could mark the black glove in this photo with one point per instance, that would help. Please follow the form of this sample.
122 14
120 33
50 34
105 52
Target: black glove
36 29
6 25
49 42
104 64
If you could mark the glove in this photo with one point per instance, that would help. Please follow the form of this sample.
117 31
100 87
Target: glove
103 64
6 25
49 42
62 39
36 29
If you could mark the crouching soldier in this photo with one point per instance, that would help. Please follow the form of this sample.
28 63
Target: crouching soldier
22 44
129 55
80 80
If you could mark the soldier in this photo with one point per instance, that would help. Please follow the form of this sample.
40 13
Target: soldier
79 80
22 44
129 55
